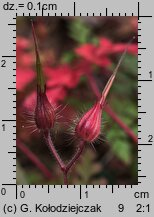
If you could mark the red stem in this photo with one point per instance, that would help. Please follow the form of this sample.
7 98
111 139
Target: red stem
65 178
53 150
110 112
126 129
76 156
33 158
93 86
56 155
64 168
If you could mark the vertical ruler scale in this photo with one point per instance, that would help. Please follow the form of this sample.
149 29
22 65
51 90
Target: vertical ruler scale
8 97
108 200
145 86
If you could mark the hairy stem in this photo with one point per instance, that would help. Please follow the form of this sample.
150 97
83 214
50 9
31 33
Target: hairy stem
56 156
76 156
53 150
110 112
64 168
65 178
34 159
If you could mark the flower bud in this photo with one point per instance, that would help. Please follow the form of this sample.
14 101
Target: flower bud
89 127
44 112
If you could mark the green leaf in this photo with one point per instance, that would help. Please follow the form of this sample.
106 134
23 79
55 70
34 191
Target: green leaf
79 31
94 40
130 63
68 57
122 150
34 177
21 176
119 141
87 167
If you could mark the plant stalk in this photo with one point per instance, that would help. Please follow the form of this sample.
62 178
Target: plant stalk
64 167
76 156
34 159
53 150
65 178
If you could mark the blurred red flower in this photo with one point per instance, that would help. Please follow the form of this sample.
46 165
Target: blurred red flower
61 78
24 56
58 80
62 75
23 77
100 55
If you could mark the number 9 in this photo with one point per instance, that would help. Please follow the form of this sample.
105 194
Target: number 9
121 207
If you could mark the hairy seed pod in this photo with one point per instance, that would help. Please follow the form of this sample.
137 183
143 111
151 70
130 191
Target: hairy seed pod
89 126
44 112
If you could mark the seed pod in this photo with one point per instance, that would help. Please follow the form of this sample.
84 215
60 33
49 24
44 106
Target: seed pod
88 128
44 112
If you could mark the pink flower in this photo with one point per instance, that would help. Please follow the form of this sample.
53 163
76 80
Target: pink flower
24 57
24 77
91 53
59 79
100 55
22 43
63 75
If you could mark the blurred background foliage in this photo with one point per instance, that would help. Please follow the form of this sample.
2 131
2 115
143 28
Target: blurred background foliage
113 158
